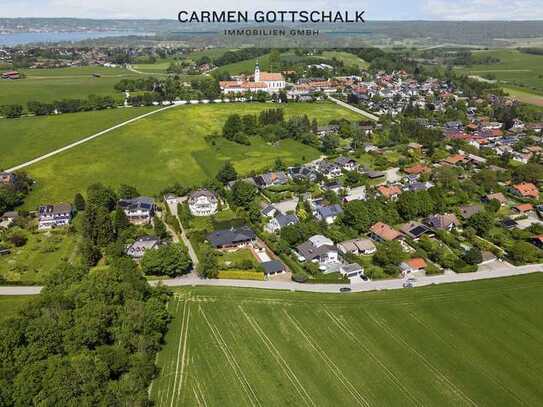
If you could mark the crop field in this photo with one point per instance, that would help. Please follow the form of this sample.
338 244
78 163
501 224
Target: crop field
29 137
48 85
157 151
477 344
516 69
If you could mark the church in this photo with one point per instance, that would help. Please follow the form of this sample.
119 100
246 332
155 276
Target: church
268 82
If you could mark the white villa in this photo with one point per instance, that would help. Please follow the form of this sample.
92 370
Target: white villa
269 82
203 203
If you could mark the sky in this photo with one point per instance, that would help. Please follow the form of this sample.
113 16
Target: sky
375 9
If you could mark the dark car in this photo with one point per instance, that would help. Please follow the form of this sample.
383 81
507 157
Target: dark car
344 289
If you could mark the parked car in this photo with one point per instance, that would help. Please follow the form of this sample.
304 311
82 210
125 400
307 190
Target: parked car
344 289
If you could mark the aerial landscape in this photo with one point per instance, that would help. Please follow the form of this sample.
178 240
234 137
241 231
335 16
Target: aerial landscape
256 213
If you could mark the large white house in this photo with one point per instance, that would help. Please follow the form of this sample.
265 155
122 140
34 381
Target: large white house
203 203
139 211
54 216
269 82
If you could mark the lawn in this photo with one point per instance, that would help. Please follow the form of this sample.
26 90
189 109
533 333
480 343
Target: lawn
10 305
247 66
29 137
157 151
43 253
48 85
458 344
347 58
516 69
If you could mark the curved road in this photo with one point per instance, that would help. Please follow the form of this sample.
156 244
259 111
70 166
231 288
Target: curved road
497 270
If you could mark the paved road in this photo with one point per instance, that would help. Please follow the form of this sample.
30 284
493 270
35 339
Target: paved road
354 109
85 140
494 270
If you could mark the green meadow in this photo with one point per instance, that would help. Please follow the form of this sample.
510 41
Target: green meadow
29 137
48 85
157 151
516 69
475 344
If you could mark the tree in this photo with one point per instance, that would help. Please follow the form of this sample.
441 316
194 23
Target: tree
243 194
208 266
227 173
120 221
11 111
100 196
473 256
127 192
104 231
524 253
389 253
17 240
481 221
170 260
160 229
90 253
79 202
232 127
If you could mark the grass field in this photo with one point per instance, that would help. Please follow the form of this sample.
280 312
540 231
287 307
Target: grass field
526 97
29 137
10 305
516 69
43 253
48 85
347 58
476 344
159 150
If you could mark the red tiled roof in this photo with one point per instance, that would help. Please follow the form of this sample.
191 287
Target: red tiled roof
417 263
527 189
384 231
417 169
389 192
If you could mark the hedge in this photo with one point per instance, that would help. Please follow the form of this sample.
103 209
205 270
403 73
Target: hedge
240 275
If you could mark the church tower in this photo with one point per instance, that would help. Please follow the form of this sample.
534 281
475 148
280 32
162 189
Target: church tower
257 72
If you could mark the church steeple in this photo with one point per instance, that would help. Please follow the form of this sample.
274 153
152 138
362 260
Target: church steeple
257 72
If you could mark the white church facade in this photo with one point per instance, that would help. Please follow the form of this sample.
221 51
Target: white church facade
268 82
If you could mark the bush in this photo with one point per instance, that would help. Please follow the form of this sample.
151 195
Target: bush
299 277
240 275
432 270
18 240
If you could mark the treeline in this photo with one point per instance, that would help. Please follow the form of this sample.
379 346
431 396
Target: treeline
13 195
467 58
172 88
533 51
92 103
230 57
90 338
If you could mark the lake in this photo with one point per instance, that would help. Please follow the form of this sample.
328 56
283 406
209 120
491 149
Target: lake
23 38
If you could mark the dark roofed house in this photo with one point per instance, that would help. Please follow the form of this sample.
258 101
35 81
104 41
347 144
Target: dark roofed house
328 213
273 267
467 211
139 211
270 179
7 178
137 249
279 221
235 237
347 163
447 221
415 230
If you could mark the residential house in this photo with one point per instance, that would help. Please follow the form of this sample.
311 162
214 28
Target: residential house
355 194
7 178
328 213
270 179
417 169
328 169
139 211
273 267
509 224
232 238
357 247
269 211
279 221
419 186
352 270
137 249
524 208
454 160
389 191
348 164
203 203
318 249
447 221
525 190
415 230
498 196
417 264
303 173
467 211
7 219
327 130
54 216
381 232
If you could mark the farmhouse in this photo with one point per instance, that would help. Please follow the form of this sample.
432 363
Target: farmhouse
232 238
203 203
54 216
139 211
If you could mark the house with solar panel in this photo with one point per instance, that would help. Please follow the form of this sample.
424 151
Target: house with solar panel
139 211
